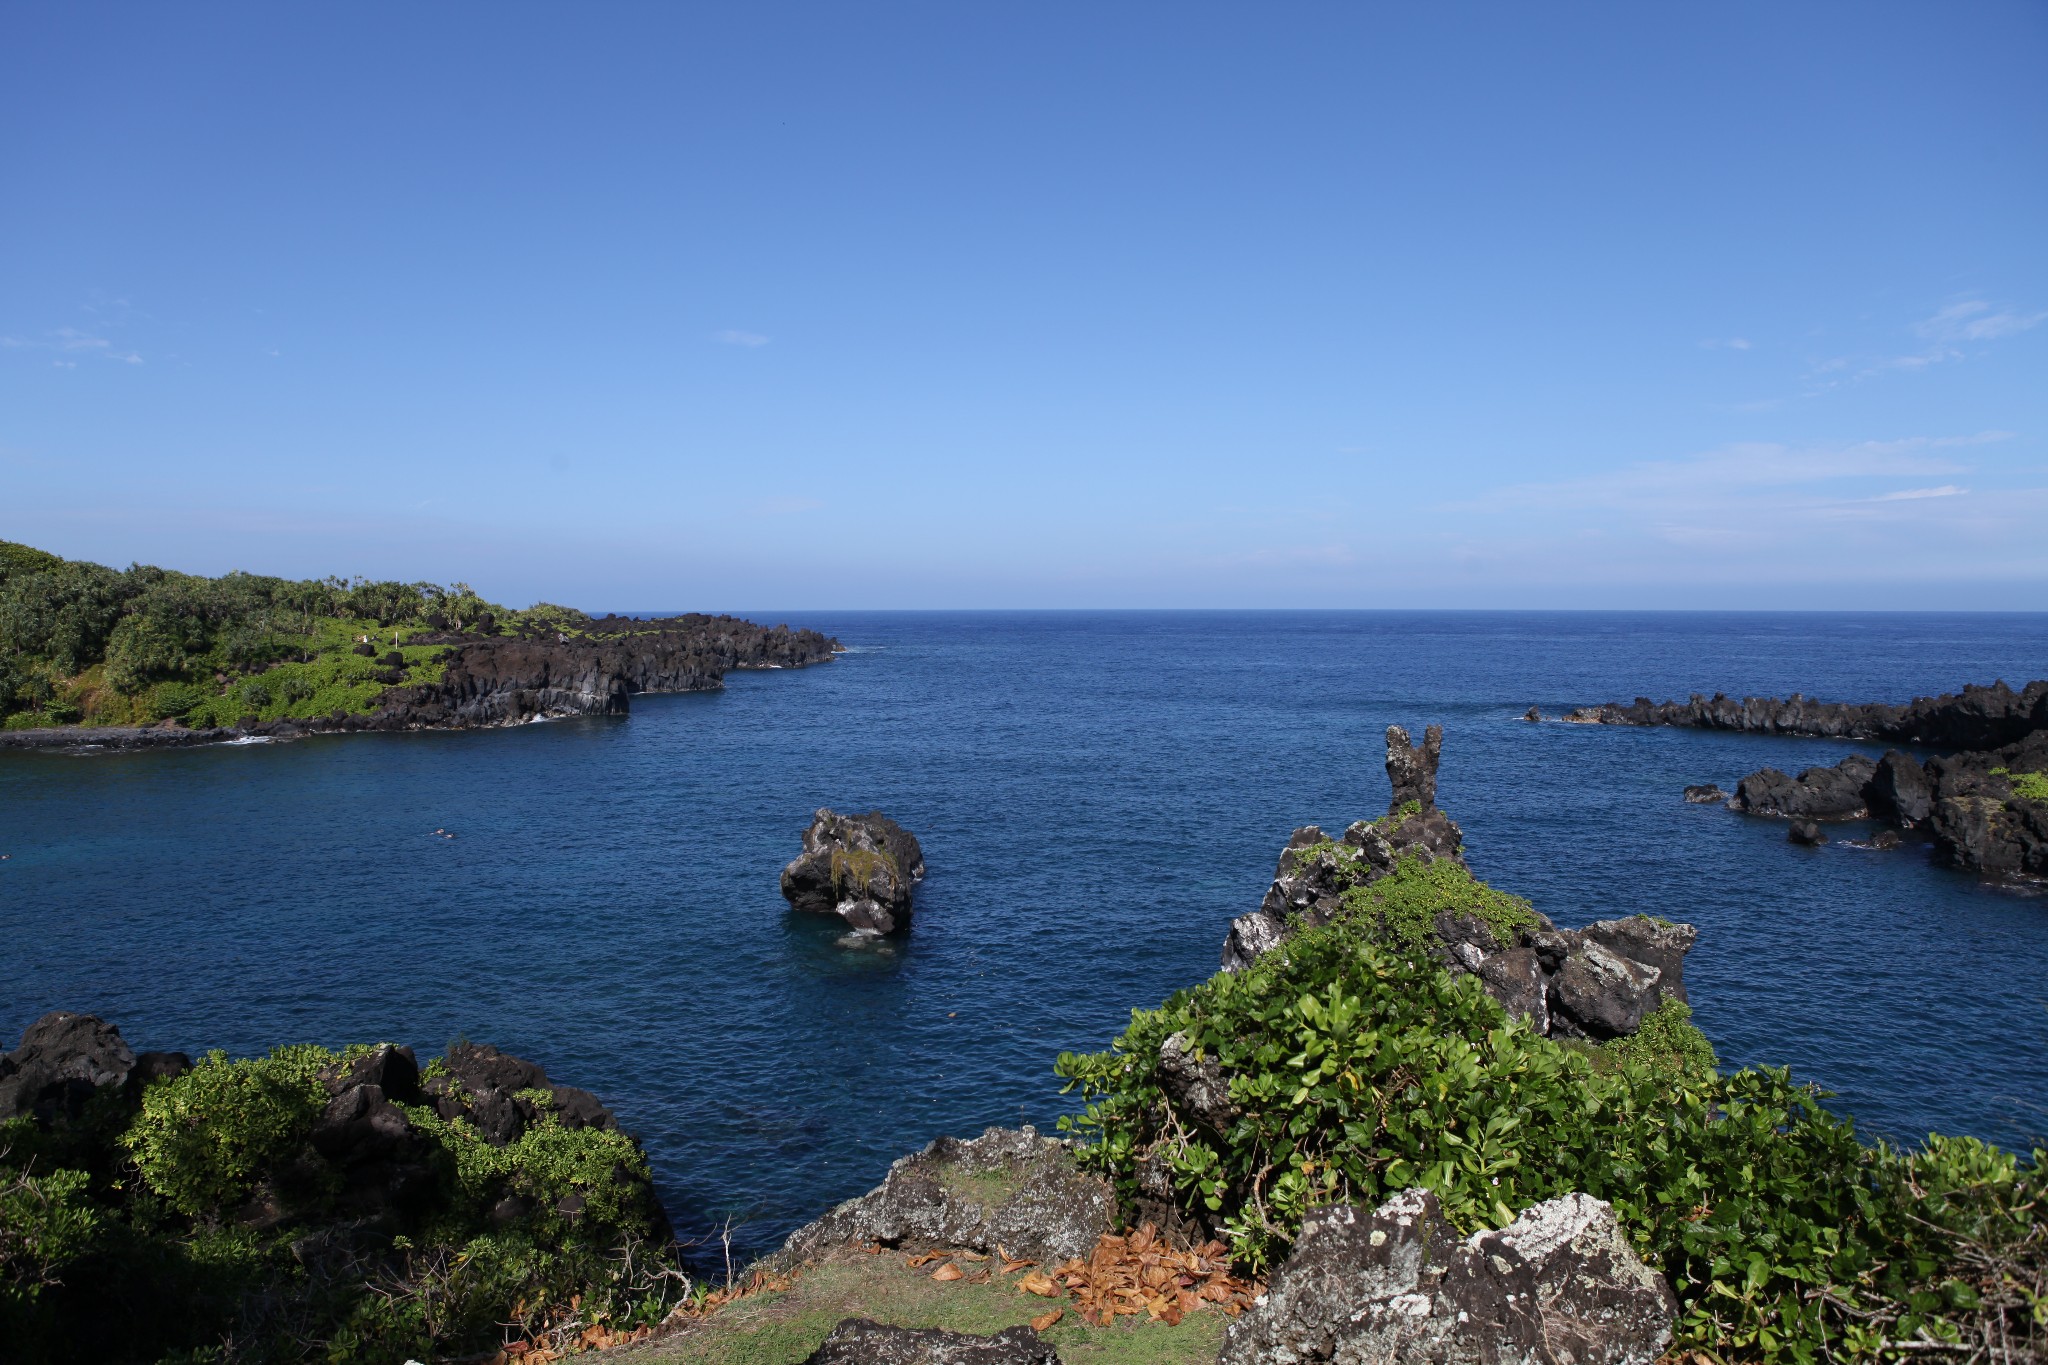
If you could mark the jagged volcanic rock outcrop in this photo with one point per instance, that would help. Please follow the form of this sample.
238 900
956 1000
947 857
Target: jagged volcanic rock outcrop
859 867
1977 806
1398 1283
1596 982
1008 1188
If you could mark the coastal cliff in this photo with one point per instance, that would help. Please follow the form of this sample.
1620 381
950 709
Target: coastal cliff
148 658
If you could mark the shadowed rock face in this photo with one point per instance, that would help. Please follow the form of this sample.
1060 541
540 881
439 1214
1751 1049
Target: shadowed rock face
863 1341
65 1059
1598 982
861 868
1009 1188
1559 1284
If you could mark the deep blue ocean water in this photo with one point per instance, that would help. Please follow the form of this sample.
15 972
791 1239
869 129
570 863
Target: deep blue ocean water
1097 793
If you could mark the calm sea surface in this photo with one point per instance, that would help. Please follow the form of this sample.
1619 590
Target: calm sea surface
1097 793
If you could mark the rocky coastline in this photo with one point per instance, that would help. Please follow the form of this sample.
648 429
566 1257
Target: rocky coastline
489 681
1980 803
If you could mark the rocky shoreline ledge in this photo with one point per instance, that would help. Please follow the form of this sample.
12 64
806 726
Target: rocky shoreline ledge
491 681
1982 804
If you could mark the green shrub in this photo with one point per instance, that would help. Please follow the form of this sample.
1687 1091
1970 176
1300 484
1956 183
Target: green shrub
46 1223
1401 908
203 1139
2027 786
174 699
1359 1072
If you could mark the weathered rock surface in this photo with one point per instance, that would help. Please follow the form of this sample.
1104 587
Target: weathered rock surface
861 868
1705 794
1598 982
1009 1188
862 1341
1805 832
1560 1285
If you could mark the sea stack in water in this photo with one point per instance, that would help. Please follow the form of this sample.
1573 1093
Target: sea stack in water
858 867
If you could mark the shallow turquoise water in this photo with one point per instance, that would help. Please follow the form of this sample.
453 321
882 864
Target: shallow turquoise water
1098 794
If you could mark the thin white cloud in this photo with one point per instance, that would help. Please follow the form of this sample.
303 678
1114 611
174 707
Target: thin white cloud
71 341
1727 344
1975 320
730 337
1735 471
1947 490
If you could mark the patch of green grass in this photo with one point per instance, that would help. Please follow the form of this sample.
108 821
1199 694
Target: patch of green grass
2026 786
1402 907
987 1188
783 1328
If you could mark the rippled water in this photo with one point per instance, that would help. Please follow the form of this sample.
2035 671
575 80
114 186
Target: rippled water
1098 794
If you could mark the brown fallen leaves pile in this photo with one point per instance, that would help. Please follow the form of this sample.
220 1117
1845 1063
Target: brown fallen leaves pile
1140 1272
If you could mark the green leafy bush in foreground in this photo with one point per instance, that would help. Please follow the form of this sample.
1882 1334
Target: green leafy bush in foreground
1360 1071
199 1223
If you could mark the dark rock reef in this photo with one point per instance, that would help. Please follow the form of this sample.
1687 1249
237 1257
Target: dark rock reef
1982 807
861 868
1560 1283
1597 982
1975 718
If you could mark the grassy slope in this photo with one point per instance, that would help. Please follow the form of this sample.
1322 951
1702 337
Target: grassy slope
783 1328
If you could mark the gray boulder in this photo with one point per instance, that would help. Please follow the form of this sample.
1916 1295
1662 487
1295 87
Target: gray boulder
1705 794
859 867
1560 1285
1008 1188
862 1341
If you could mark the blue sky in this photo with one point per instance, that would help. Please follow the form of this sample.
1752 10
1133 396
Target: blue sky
650 306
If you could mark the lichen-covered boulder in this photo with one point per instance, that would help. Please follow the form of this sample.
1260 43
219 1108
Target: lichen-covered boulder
859 867
862 1341
1560 1285
1008 1188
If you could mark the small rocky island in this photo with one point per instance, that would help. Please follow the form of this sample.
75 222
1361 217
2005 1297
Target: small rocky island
861 868
1981 800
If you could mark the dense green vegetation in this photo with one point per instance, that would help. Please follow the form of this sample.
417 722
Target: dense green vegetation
84 644
1360 1067
197 1222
